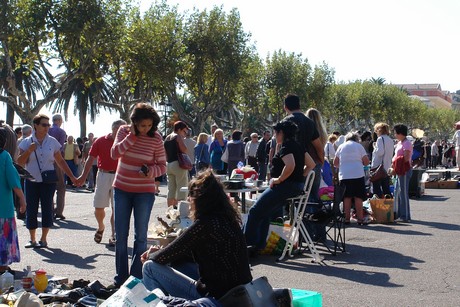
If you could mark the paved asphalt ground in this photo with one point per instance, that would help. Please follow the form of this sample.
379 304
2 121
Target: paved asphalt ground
416 264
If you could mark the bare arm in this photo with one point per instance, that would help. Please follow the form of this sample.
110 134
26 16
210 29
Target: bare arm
309 164
63 165
319 149
86 170
25 154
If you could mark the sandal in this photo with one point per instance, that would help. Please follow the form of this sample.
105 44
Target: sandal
32 244
98 236
112 241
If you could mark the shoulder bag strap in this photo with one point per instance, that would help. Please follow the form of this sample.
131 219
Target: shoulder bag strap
38 163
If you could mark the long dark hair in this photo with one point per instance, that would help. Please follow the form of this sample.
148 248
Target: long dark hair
143 111
210 198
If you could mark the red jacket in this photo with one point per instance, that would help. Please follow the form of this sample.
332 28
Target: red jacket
400 166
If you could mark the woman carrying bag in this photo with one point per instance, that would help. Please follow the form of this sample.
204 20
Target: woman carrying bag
382 154
177 176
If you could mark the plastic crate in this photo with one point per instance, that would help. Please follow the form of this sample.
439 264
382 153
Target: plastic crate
302 298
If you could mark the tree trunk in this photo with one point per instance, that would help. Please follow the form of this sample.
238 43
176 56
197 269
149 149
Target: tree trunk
9 115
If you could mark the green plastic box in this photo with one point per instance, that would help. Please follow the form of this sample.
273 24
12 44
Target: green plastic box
304 298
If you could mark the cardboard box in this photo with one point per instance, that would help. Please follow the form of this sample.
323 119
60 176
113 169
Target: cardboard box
156 240
448 184
432 185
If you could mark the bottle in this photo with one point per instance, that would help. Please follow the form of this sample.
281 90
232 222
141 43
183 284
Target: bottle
6 281
26 281
40 280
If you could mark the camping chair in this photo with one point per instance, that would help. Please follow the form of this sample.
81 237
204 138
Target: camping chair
331 215
297 207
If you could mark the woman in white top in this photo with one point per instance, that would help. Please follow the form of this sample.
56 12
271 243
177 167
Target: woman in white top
351 158
383 153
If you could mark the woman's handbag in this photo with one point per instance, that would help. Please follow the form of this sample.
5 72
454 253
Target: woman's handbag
47 176
255 293
378 173
183 159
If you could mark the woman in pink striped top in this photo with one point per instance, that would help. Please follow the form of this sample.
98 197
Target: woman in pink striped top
141 157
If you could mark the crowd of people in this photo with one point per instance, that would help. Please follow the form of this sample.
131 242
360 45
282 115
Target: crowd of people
123 169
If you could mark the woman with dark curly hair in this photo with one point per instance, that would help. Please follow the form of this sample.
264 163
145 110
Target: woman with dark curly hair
141 158
289 167
214 239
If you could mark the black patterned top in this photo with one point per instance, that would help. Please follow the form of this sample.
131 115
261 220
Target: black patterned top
218 247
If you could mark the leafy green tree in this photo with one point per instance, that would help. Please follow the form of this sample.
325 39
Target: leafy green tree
286 73
216 55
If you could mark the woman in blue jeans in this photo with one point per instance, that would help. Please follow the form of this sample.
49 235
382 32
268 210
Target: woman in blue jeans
289 168
215 241
403 168
141 158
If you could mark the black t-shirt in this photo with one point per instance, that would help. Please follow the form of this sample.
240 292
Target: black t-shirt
289 147
306 133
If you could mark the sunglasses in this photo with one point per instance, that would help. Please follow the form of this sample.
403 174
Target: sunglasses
45 125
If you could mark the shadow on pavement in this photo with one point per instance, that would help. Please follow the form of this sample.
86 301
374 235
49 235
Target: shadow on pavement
68 224
396 228
58 256
432 198
363 256
443 226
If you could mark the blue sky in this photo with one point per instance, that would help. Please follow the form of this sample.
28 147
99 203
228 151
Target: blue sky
402 41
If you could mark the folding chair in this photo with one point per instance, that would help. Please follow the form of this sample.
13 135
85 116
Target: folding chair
332 216
297 206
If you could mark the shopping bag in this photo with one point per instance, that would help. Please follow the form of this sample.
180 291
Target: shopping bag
382 210
258 292
133 293
278 236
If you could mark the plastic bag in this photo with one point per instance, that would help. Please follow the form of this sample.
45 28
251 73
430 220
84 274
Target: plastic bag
133 293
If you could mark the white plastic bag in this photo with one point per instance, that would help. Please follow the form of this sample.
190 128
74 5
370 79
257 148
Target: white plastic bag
134 294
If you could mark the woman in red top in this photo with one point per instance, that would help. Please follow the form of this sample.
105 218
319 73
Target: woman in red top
141 157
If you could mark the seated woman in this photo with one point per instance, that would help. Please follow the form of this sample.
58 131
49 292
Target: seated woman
214 239
290 165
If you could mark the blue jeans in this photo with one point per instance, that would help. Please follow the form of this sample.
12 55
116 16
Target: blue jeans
73 167
124 204
270 204
169 280
402 195
39 193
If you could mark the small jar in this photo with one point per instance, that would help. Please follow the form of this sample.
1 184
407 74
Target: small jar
40 280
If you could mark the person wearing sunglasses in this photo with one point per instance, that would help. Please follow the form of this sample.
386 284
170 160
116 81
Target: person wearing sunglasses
40 152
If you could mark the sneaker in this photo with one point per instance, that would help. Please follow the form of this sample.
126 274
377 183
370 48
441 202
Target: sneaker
283 297
400 220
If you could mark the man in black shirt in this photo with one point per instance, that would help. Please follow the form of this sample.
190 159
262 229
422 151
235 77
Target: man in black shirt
262 155
308 137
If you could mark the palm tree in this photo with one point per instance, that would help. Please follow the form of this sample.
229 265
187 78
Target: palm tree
86 101
27 83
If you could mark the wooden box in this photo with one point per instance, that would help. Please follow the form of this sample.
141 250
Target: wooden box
432 185
448 184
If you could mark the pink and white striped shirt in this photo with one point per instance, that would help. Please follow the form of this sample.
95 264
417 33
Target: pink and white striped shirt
132 152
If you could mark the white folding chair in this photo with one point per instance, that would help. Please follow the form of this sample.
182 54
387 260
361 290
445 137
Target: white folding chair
298 204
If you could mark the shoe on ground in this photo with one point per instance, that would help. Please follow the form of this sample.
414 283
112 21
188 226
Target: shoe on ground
42 244
32 244
400 220
283 297
112 241
59 217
